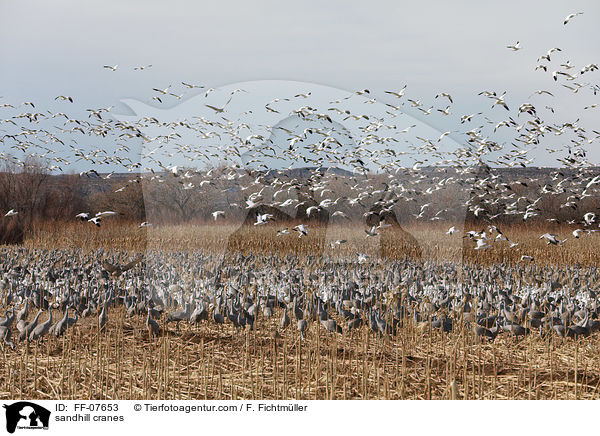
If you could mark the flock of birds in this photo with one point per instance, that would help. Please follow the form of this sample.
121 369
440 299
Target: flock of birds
251 291
339 296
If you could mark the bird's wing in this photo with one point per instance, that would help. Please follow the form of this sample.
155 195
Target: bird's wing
131 264
109 267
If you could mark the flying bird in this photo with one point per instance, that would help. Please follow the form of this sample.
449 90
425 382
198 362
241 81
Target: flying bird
262 219
552 239
95 220
116 270
105 213
217 213
64 97
570 17
302 230
371 232
218 109
515 47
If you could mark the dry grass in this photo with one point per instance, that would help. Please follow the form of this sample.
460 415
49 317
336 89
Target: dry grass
431 238
210 363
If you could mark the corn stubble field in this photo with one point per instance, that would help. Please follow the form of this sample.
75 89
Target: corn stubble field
209 361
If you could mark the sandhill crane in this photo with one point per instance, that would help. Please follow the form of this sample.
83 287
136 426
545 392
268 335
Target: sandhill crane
515 329
87 311
72 321
331 326
217 318
297 310
5 335
41 330
285 319
21 325
22 314
28 327
199 314
267 311
116 270
8 319
484 332
234 317
60 327
302 327
151 326
354 323
102 318
179 315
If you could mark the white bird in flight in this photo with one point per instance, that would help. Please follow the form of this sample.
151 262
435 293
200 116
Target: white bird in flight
262 219
311 209
285 231
570 17
371 232
482 244
339 213
105 213
302 230
217 213
552 239
515 47
337 242
95 220
589 218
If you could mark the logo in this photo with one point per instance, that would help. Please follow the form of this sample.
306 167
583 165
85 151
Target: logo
26 415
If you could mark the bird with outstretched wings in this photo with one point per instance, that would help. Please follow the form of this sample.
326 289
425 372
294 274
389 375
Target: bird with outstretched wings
116 270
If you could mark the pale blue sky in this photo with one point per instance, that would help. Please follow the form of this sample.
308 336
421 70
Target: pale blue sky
52 48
